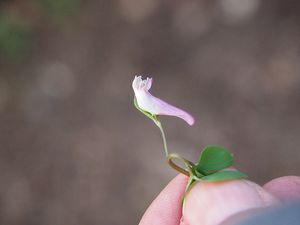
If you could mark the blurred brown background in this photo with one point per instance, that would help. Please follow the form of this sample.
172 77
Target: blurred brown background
73 148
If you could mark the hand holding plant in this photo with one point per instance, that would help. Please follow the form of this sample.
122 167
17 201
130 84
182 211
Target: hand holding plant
213 193
213 159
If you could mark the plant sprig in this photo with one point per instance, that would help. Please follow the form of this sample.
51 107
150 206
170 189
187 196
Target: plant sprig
213 164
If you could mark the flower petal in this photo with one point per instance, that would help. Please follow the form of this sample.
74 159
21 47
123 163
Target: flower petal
148 83
153 105
164 108
136 82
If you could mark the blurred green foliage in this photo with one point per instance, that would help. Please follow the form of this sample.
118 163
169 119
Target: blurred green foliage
16 37
61 8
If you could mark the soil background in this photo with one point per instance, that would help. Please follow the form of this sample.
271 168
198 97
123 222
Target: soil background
75 151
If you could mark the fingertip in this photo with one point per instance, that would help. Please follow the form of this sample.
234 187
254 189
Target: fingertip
213 202
285 188
166 208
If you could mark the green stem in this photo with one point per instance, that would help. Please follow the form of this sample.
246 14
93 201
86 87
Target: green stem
188 165
158 123
188 170
170 157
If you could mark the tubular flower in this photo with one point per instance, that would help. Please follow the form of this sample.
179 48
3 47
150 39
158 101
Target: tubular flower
153 105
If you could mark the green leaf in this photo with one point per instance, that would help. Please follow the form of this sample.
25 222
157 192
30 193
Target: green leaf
225 175
214 158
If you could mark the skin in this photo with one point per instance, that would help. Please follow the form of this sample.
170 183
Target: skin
241 198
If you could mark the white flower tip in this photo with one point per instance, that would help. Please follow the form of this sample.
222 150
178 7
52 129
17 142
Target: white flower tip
139 84
135 82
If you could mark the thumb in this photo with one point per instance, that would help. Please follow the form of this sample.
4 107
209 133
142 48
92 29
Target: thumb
210 203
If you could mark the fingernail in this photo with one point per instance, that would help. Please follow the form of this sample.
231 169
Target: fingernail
210 203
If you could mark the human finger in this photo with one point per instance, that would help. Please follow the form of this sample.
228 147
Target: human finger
166 208
285 188
210 203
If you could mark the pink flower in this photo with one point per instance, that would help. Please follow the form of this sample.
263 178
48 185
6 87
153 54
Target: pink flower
153 105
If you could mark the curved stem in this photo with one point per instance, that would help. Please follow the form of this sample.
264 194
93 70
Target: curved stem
170 157
188 170
188 164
